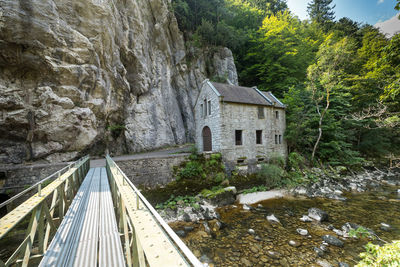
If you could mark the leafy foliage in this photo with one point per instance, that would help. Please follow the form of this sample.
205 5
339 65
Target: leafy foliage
271 174
380 256
352 66
254 189
361 232
173 201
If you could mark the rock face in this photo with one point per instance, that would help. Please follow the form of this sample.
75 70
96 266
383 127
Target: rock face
86 76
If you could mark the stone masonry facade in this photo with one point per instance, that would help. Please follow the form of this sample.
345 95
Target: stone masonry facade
226 118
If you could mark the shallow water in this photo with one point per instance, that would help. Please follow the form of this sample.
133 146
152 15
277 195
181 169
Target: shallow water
234 246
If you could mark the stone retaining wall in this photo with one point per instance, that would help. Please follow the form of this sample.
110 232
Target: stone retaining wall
151 172
15 178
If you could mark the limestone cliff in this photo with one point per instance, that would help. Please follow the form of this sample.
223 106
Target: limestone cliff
83 76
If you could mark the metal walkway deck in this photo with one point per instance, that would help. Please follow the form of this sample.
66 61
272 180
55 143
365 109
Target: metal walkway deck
88 234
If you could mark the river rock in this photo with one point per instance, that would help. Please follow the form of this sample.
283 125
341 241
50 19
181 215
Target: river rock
245 262
319 251
246 207
251 231
305 218
186 217
386 227
294 243
272 219
334 241
226 197
343 264
349 226
324 263
180 233
303 232
317 214
206 227
188 228
338 232
324 248
273 254
205 259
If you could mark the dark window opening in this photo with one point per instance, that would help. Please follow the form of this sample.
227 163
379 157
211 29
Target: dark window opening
280 139
201 110
240 161
238 137
260 159
205 108
261 113
209 107
277 114
276 139
258 137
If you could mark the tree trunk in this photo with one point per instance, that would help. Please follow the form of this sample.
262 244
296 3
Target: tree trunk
321 117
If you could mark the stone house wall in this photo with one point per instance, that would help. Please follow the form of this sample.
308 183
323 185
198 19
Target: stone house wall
213 121
245 117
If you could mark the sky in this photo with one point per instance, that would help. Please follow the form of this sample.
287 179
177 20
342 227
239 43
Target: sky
380 13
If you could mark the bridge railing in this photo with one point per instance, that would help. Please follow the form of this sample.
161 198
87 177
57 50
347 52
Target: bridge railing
147 238
47 208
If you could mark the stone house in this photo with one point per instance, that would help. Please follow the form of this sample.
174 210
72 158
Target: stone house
243 123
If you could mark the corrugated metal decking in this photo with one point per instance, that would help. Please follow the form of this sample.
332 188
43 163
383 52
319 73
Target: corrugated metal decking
89 227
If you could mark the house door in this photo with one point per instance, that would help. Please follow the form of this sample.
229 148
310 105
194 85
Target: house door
207 143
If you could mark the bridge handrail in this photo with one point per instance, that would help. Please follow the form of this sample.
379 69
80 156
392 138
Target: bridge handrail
171 234
43 221
38 184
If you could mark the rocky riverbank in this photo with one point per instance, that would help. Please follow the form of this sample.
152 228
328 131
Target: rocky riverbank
331 185
310 226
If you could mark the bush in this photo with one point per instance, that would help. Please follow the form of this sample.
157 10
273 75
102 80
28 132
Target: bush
271 174
387 255
293 179
277 160
296 161
219 177
192 169
259 188
184 201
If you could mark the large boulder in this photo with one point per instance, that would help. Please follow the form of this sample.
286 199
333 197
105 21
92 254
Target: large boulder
318 215
334 241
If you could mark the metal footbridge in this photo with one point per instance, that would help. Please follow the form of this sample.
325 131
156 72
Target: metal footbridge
81 216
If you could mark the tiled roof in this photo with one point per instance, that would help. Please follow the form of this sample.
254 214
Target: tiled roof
274 100
246 95
240 94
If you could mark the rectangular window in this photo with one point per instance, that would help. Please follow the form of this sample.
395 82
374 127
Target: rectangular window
261 113
280 139
258 137
238 137
277 114
201 110
205 108
209 107
276 139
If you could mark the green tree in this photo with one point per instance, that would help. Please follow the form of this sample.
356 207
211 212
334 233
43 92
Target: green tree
325 76
280 53
320 11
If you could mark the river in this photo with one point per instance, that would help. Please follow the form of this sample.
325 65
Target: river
233 245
